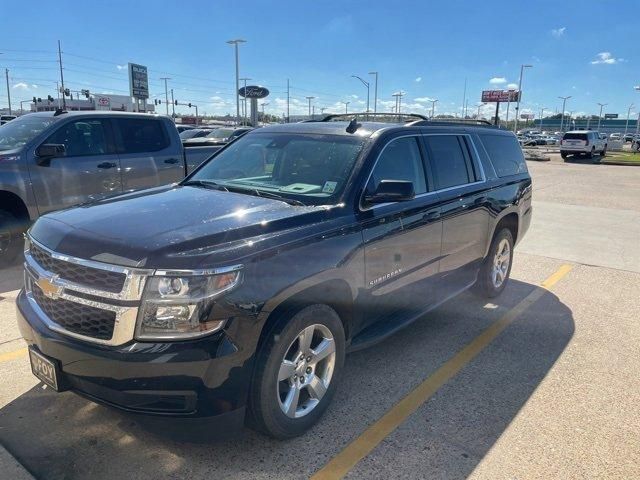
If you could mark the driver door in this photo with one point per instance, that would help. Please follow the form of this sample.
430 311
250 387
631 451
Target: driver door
89 169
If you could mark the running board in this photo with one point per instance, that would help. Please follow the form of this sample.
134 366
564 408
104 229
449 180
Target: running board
385 327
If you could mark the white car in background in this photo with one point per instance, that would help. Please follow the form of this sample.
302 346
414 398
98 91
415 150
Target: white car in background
582 142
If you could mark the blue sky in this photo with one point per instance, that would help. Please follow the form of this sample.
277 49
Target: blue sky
587 49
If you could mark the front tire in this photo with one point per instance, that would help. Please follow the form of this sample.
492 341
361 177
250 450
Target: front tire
496 267
296 372
564 155
10 241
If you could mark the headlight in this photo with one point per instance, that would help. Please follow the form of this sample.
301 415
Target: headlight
176 306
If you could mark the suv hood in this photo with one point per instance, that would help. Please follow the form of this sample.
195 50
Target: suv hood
155 228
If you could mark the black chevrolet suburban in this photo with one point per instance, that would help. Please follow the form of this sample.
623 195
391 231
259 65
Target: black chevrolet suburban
237 292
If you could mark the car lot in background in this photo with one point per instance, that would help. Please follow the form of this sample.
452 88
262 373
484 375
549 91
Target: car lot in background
496 418
218 136
6 118
195 133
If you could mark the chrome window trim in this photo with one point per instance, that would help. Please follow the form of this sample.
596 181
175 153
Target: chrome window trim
475 158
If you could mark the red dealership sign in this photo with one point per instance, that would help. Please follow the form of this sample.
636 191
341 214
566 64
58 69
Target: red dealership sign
500 95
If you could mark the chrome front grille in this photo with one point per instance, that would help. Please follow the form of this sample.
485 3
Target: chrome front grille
91 277
84 299
76 317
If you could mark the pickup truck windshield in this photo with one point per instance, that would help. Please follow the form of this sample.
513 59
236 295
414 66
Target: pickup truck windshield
311 168
19 131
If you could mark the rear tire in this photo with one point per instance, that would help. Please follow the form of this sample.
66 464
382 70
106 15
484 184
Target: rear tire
591 153
290 369
10 243
496 267
564 155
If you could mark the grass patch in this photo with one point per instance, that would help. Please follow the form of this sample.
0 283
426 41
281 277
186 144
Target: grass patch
627 157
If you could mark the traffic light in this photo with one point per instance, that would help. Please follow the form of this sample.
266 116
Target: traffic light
189 104
85 92
155 101
175 102
35 99
39 100
50 98
67 92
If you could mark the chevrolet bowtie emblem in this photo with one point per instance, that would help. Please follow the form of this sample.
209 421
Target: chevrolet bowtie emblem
49 288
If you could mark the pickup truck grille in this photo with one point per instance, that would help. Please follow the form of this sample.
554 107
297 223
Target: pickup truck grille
75 317
87 276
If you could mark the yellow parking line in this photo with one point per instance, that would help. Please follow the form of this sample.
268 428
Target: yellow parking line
359 448
5 357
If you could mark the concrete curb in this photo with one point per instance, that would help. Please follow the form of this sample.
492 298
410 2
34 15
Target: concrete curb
11 467
620 162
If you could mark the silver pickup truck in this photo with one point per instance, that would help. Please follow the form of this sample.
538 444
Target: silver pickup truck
50 161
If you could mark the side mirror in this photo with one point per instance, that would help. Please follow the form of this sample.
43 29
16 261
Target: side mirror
392 191
47 151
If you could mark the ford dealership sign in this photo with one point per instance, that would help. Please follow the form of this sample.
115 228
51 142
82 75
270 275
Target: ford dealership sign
253 91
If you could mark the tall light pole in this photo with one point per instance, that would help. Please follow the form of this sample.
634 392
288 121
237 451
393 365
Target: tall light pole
366 84
309 99
626 126
564 103
522 67
480 105
235 43
263 104
433 107
346 107
166 94
541 114
398 97
244 102
6 74
600 116
375 93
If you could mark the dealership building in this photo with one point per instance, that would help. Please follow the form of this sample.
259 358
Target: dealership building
98 101
607 126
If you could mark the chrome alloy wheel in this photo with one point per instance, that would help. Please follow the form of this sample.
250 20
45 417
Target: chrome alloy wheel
306 371
501 262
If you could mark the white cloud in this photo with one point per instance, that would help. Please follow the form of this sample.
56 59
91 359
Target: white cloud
353 96
34 86
558 32
418 79
423 99
497 81
606 58
512 86
21 86
121 67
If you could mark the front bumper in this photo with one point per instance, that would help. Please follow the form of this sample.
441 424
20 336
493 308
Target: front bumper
201 378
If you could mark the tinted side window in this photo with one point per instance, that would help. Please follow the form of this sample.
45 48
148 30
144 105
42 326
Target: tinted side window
505 154
400 160
142 135
82 137
448 161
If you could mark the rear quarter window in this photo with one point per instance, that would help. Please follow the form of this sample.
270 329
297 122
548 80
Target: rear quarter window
505 154
141 135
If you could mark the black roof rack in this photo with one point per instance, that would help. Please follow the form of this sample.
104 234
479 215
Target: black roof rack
400 117
449 121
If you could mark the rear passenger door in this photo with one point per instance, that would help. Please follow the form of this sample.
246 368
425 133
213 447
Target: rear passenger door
459 181
148 158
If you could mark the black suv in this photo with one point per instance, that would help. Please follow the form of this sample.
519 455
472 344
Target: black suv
237 292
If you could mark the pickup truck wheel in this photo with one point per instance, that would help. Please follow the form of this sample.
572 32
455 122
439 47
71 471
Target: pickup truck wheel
590 154
564 155
10 244
496 268
296 372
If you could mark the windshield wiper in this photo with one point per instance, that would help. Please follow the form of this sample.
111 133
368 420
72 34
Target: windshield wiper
206 184
266 194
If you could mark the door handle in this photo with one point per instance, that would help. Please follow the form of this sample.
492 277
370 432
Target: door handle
171 160
107 165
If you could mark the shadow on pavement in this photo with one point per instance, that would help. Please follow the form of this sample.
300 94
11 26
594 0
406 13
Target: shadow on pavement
11 277
62 436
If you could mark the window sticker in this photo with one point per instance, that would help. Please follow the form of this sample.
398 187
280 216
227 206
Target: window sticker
329 187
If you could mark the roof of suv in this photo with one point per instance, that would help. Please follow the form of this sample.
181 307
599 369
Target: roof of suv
368 129
77 113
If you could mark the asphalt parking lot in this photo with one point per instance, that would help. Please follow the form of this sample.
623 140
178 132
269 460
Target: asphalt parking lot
540 383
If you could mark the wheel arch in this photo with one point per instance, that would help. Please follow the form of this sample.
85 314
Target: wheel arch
13 203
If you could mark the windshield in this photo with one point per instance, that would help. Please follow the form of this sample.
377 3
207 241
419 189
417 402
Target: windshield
311 168
190 133
221 133
16 133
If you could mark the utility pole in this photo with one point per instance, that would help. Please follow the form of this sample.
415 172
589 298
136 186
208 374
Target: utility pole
398 97
522 67
564 103
263 104
464 96
375 94
244 108
287 100
626 126
366 84
166 94
6 74
433 107
235 43
480 105
346 107
541 114
466 108
600 116
310 98
173 106
64 103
